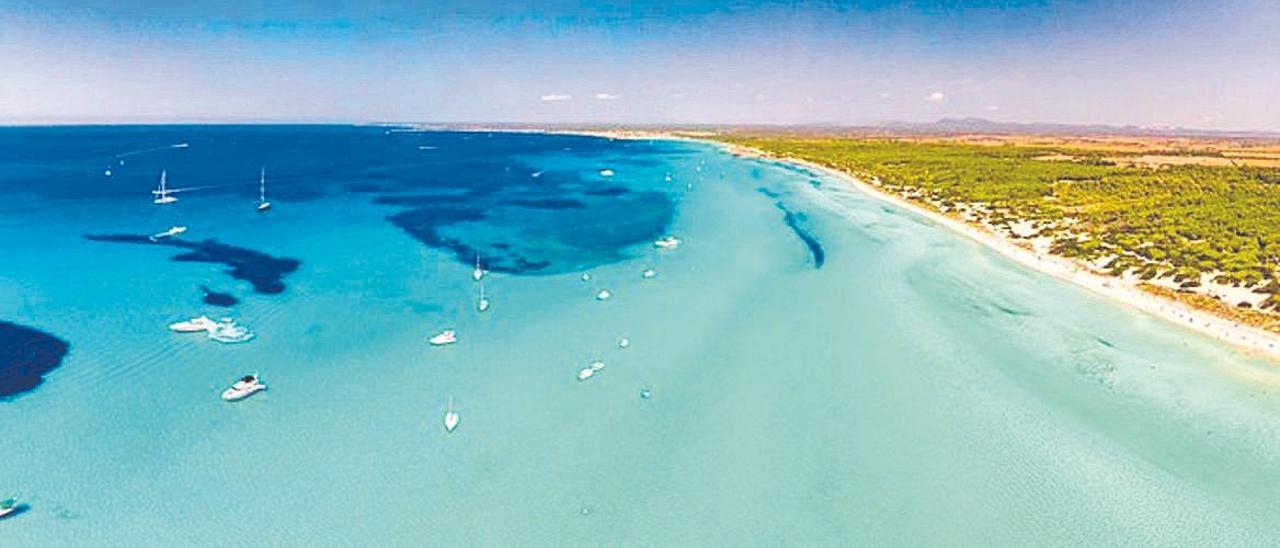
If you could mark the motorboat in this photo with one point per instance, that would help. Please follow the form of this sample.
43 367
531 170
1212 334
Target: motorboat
624 342
9 506
173 231
442 338
229 332
263 204
194 325
586 276
451 418
606 172
590 370
648 273
603 295
162 193
248 385
668 242
645 394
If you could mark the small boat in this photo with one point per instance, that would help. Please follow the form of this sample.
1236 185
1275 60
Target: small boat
8 506
451 418
537 174
483 303
603 295
162 193
586 276
590 370
173 231
442 338
668 177
478 272
194 325
648 273
107 172
248 385
606 172
669 242
645 394
624 342
229 332
263 204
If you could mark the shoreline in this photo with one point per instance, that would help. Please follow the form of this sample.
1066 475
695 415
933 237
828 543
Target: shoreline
1244 337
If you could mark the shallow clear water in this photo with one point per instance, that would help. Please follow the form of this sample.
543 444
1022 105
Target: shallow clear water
915 389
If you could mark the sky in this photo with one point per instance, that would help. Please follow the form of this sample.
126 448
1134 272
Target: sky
1200 64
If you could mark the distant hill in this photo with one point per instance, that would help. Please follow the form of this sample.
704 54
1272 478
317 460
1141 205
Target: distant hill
982 125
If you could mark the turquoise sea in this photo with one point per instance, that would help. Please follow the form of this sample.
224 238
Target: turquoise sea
821 367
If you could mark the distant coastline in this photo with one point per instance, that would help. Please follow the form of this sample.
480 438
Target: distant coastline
1245 337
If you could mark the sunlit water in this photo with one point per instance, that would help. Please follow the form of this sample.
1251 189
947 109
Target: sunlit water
915 389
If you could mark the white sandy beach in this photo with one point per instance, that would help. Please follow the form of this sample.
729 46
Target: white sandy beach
1122 290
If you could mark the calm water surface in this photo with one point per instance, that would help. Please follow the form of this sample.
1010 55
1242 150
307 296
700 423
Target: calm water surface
822 368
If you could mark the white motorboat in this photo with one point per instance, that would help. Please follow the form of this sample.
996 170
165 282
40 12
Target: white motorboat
590 370
229 332
173 231
603 295
451 418
478 272
442 338
263 204
162 193
606 172
668 242
248 385
624 342
586 276
648 273
194 325
8 506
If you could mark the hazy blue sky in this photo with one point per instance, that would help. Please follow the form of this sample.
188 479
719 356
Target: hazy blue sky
1177 62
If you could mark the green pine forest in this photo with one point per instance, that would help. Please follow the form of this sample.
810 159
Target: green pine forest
1171 221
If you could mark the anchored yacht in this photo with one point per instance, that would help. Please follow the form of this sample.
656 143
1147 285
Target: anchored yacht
669 242
162 193
451 418
173 231
263 204
248 385
194 325
442 338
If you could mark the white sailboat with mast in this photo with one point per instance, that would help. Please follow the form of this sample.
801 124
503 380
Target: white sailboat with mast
263 204
451 418
162 194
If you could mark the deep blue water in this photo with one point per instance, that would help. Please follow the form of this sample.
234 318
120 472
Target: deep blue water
430 181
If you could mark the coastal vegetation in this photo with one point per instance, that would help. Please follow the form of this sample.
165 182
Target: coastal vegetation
1193 226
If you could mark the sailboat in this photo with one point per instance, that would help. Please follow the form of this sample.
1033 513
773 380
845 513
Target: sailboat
451 418
263 204
483 303
478 272
162 193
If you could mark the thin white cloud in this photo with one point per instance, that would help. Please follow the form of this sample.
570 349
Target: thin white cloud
606 97
935 97
556 97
